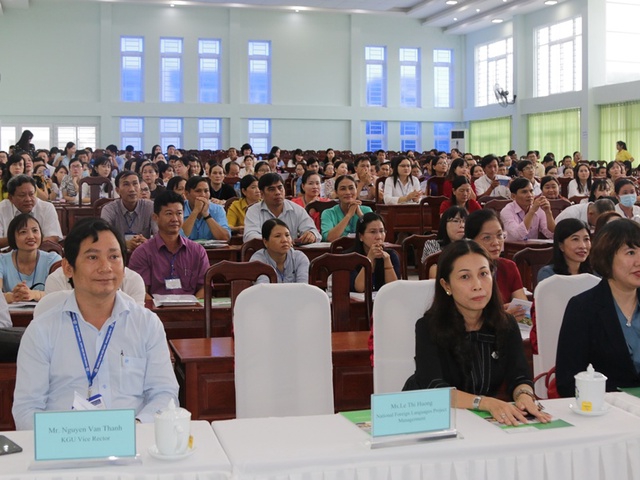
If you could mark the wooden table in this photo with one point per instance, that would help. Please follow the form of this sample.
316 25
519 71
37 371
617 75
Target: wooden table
204 368
226 252
400 218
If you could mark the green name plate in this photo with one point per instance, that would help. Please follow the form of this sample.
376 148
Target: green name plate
86 434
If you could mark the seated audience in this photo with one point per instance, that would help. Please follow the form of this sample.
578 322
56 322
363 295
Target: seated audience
130 215
571 247
101 168
385 263
488 184
170 263
458 168
615 171
24 269
56 181
274 205
526 217
292 266
526 169
600 326
340 168
587 212
22 199
365 182
401 186
13 168
238 209
204 220
604 219
70 183
220 191
461 194
550 188
150 175
627 197
310 191
451 228
485 227
49 370
467 341
177 184
261 169
581 183
340 220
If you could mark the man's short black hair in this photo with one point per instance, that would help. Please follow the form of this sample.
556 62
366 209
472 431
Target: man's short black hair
89 228
127 173
269 179
194 181
129 148
112 148
17 181
518 184
165 198
487 159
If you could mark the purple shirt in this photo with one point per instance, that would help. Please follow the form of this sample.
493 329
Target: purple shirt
513 218
152 260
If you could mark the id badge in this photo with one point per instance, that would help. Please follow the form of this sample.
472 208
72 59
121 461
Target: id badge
97 402
172 283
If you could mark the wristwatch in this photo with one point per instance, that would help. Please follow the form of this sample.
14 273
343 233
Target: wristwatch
206 218
476 402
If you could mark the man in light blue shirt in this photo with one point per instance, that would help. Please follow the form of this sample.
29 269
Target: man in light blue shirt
274 205
97 343
203 220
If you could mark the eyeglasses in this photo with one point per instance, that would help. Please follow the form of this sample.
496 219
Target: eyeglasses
500 237
457 221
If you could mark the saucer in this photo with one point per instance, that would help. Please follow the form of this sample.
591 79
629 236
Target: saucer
153 451
605 409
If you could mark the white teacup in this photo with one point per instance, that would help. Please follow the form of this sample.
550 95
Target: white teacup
590 390
172 431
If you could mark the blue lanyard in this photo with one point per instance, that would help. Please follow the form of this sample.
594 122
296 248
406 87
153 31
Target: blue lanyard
83 353
133 217
172 261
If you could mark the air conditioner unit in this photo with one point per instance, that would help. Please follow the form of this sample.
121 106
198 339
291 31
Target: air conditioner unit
458 139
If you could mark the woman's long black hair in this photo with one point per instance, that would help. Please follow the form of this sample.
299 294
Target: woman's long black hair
564 229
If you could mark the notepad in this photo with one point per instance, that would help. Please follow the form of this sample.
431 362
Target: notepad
174 300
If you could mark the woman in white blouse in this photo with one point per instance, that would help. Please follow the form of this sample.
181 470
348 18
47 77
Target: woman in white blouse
401 186
581 183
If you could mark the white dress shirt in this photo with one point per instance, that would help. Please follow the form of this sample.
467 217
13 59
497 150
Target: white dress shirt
296 218
43 211
135 373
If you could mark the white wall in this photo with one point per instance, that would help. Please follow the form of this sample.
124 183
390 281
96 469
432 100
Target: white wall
318 82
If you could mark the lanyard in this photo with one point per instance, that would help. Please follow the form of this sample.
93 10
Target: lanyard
172 261
32 274
132 216
83 353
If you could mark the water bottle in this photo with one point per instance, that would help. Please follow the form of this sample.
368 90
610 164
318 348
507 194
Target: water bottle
236 187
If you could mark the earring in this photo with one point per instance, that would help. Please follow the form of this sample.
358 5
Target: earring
448 293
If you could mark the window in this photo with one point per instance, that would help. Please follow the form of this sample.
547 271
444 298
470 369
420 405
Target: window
410 77
170 133
490 136
376 134
443 79
170 69
557 132
41 136
131 132
7 138
209 133
622 60
82 136
131 65
409 136
376 76
260 135
494 66
442 136
559 58
620 121
260 72
209 73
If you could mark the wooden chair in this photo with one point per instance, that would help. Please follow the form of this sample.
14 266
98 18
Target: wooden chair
318 206
529 262
99 204
435 186
228 203
414 243
55 266
95 186
49 246
231 180
558 205
430 213
249 248
426 266
564 186
339 267
379 180
234 276
342 244
497 204
576 199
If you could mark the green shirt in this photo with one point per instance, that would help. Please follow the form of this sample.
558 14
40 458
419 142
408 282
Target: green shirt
333 216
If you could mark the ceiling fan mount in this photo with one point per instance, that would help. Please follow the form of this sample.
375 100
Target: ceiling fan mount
502 96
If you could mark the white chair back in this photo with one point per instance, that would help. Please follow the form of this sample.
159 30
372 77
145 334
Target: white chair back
551 297
283 361
397 307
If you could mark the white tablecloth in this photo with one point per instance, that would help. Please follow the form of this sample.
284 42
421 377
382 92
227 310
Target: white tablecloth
330 447
208 462
626 402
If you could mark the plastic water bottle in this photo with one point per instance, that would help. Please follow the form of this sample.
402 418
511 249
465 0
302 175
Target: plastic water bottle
236 187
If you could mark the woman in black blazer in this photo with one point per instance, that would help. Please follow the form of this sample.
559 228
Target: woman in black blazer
602 325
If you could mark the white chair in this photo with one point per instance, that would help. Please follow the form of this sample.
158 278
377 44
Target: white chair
283 361
551 297
397 307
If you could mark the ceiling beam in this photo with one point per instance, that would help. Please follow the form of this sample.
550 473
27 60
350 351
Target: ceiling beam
468 6
418 7
487 15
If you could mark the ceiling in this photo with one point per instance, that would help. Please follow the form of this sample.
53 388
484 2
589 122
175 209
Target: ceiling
464 17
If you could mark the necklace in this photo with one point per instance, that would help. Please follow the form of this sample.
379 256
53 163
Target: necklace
629 318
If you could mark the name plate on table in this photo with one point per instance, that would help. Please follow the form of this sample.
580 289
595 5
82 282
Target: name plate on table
412 416
85 434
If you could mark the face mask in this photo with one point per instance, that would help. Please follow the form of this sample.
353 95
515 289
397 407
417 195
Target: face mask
628 200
